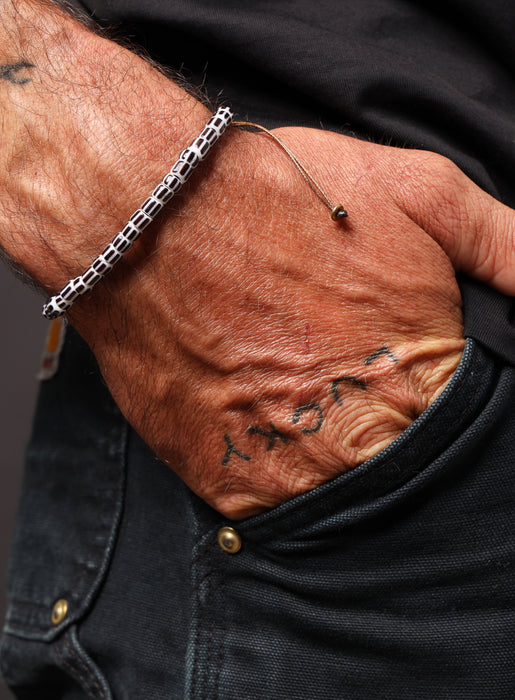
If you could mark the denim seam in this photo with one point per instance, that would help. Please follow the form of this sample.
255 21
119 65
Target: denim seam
196 593
200 679
89 683
29 603
223 633
90 582
95 672
209 641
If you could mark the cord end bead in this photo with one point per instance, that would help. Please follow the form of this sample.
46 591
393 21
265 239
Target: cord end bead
338 213
51 311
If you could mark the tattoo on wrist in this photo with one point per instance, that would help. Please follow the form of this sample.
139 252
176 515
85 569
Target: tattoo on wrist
15 73
310 417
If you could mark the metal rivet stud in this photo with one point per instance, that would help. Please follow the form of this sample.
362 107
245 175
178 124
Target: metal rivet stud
229 540
59 611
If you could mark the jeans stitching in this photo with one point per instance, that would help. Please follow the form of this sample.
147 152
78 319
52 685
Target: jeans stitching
223 631
89 683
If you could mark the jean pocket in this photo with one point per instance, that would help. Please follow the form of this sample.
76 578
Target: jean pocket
67 523
391 579
415 459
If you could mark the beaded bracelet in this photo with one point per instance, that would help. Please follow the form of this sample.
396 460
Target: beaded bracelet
163 193
142 217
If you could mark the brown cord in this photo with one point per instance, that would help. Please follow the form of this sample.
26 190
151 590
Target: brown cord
338 212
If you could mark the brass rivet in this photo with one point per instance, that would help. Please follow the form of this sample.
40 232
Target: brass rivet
229 540
59 611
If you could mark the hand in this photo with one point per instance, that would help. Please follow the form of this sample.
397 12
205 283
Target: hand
258 347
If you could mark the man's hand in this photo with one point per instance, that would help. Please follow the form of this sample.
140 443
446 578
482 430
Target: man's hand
257 346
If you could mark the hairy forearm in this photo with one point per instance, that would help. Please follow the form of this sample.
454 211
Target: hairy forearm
78 111
258 347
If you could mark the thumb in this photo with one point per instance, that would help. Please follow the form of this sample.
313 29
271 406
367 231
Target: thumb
476 231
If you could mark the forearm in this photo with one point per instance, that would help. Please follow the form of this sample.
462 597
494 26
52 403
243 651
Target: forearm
78 111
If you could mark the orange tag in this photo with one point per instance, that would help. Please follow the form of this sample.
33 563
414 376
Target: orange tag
53 346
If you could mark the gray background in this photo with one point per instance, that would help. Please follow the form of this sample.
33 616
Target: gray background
21 336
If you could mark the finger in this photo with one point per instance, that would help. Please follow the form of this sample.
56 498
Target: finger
476 231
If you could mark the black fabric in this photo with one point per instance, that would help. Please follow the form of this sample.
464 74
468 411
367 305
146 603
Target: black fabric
432 75
393 581
489 317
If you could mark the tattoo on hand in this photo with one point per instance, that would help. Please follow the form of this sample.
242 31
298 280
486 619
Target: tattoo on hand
273 434
10 71
341 380
309 407
312 412
232 450
382 351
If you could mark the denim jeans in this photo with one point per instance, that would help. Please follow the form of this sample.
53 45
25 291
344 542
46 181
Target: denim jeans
394 580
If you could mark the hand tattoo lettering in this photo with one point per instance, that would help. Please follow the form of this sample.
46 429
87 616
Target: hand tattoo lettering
232 450
9 72
382 351
312 412
273 434
309 407
349 380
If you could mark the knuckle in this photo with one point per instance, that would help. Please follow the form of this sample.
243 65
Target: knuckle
442 179
437 192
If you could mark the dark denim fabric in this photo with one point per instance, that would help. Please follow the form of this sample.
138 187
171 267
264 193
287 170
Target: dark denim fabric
395 580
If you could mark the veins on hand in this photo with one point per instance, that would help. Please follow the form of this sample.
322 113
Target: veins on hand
10 72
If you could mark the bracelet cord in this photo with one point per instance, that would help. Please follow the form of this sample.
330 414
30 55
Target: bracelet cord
338 212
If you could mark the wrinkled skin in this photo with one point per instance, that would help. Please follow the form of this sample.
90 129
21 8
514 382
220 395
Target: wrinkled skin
257 346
